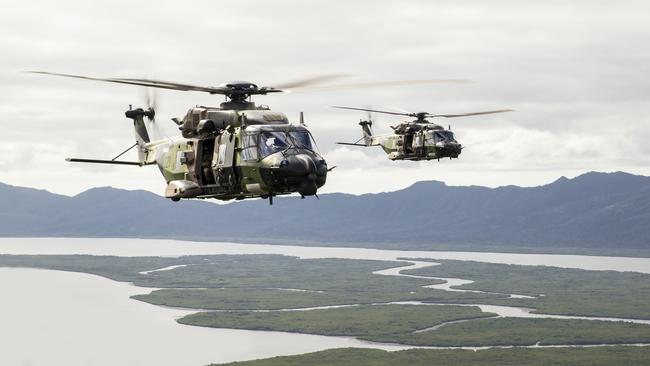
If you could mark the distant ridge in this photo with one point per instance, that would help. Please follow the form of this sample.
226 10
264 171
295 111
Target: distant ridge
594 210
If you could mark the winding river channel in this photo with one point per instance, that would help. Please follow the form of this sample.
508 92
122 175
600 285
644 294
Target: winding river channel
51 317
500 311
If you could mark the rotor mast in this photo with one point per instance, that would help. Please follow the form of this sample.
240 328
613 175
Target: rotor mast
238 94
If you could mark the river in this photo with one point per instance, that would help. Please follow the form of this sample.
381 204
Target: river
148 247
52 318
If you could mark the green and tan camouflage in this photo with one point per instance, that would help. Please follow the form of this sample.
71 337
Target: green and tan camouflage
235 154
235 151
419 139
239 150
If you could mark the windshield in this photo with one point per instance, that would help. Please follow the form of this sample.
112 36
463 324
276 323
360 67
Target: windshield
444 136
274 141
301 139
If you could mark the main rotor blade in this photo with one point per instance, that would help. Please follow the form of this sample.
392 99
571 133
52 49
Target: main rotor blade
376 84
298 85
372 110
170 85
143 82
469 114
307 81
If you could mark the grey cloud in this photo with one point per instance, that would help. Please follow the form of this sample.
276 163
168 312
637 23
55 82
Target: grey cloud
574 71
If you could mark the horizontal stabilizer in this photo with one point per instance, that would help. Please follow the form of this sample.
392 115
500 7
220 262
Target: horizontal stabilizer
352 144
95 161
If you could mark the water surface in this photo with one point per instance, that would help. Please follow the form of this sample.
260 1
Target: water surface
151 247
75 319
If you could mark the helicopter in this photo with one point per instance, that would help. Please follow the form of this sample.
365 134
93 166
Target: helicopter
414 140
237 150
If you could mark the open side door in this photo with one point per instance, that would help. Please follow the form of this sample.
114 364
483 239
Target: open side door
223 161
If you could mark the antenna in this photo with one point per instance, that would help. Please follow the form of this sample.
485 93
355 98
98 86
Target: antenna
302 118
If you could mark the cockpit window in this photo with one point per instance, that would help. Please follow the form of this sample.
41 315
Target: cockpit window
272 142
275 141
301 139
444 136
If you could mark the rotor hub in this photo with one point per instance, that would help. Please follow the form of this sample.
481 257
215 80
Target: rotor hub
421 116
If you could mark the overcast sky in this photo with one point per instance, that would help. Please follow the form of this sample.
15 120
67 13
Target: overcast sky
576 72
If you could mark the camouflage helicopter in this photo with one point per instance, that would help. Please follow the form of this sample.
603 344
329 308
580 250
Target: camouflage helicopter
415 140
236 151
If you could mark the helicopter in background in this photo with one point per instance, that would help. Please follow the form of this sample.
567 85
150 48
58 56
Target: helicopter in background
414 140
236 151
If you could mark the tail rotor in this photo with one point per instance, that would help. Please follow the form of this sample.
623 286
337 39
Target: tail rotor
366 126
151 102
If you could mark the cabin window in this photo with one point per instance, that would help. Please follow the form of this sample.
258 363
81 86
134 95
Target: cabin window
249 148
428 138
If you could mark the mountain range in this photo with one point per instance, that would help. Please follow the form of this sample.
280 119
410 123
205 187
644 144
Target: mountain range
594 210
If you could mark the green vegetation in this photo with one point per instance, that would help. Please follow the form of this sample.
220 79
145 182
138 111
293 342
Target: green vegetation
224 282
238 284
399 323
524 332
566 291
277 298
123 269
601 356
371 322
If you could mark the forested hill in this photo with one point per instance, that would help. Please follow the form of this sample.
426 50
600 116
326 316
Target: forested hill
594 210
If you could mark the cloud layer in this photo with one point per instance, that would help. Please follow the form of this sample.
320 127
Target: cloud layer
576 72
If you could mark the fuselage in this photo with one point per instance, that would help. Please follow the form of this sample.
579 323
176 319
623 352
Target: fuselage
418 141
237 154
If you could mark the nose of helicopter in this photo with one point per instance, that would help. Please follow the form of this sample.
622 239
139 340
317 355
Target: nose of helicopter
449 149
305 171
455 149
297 165
302 172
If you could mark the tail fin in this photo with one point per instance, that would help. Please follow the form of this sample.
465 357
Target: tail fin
141 134
366 128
